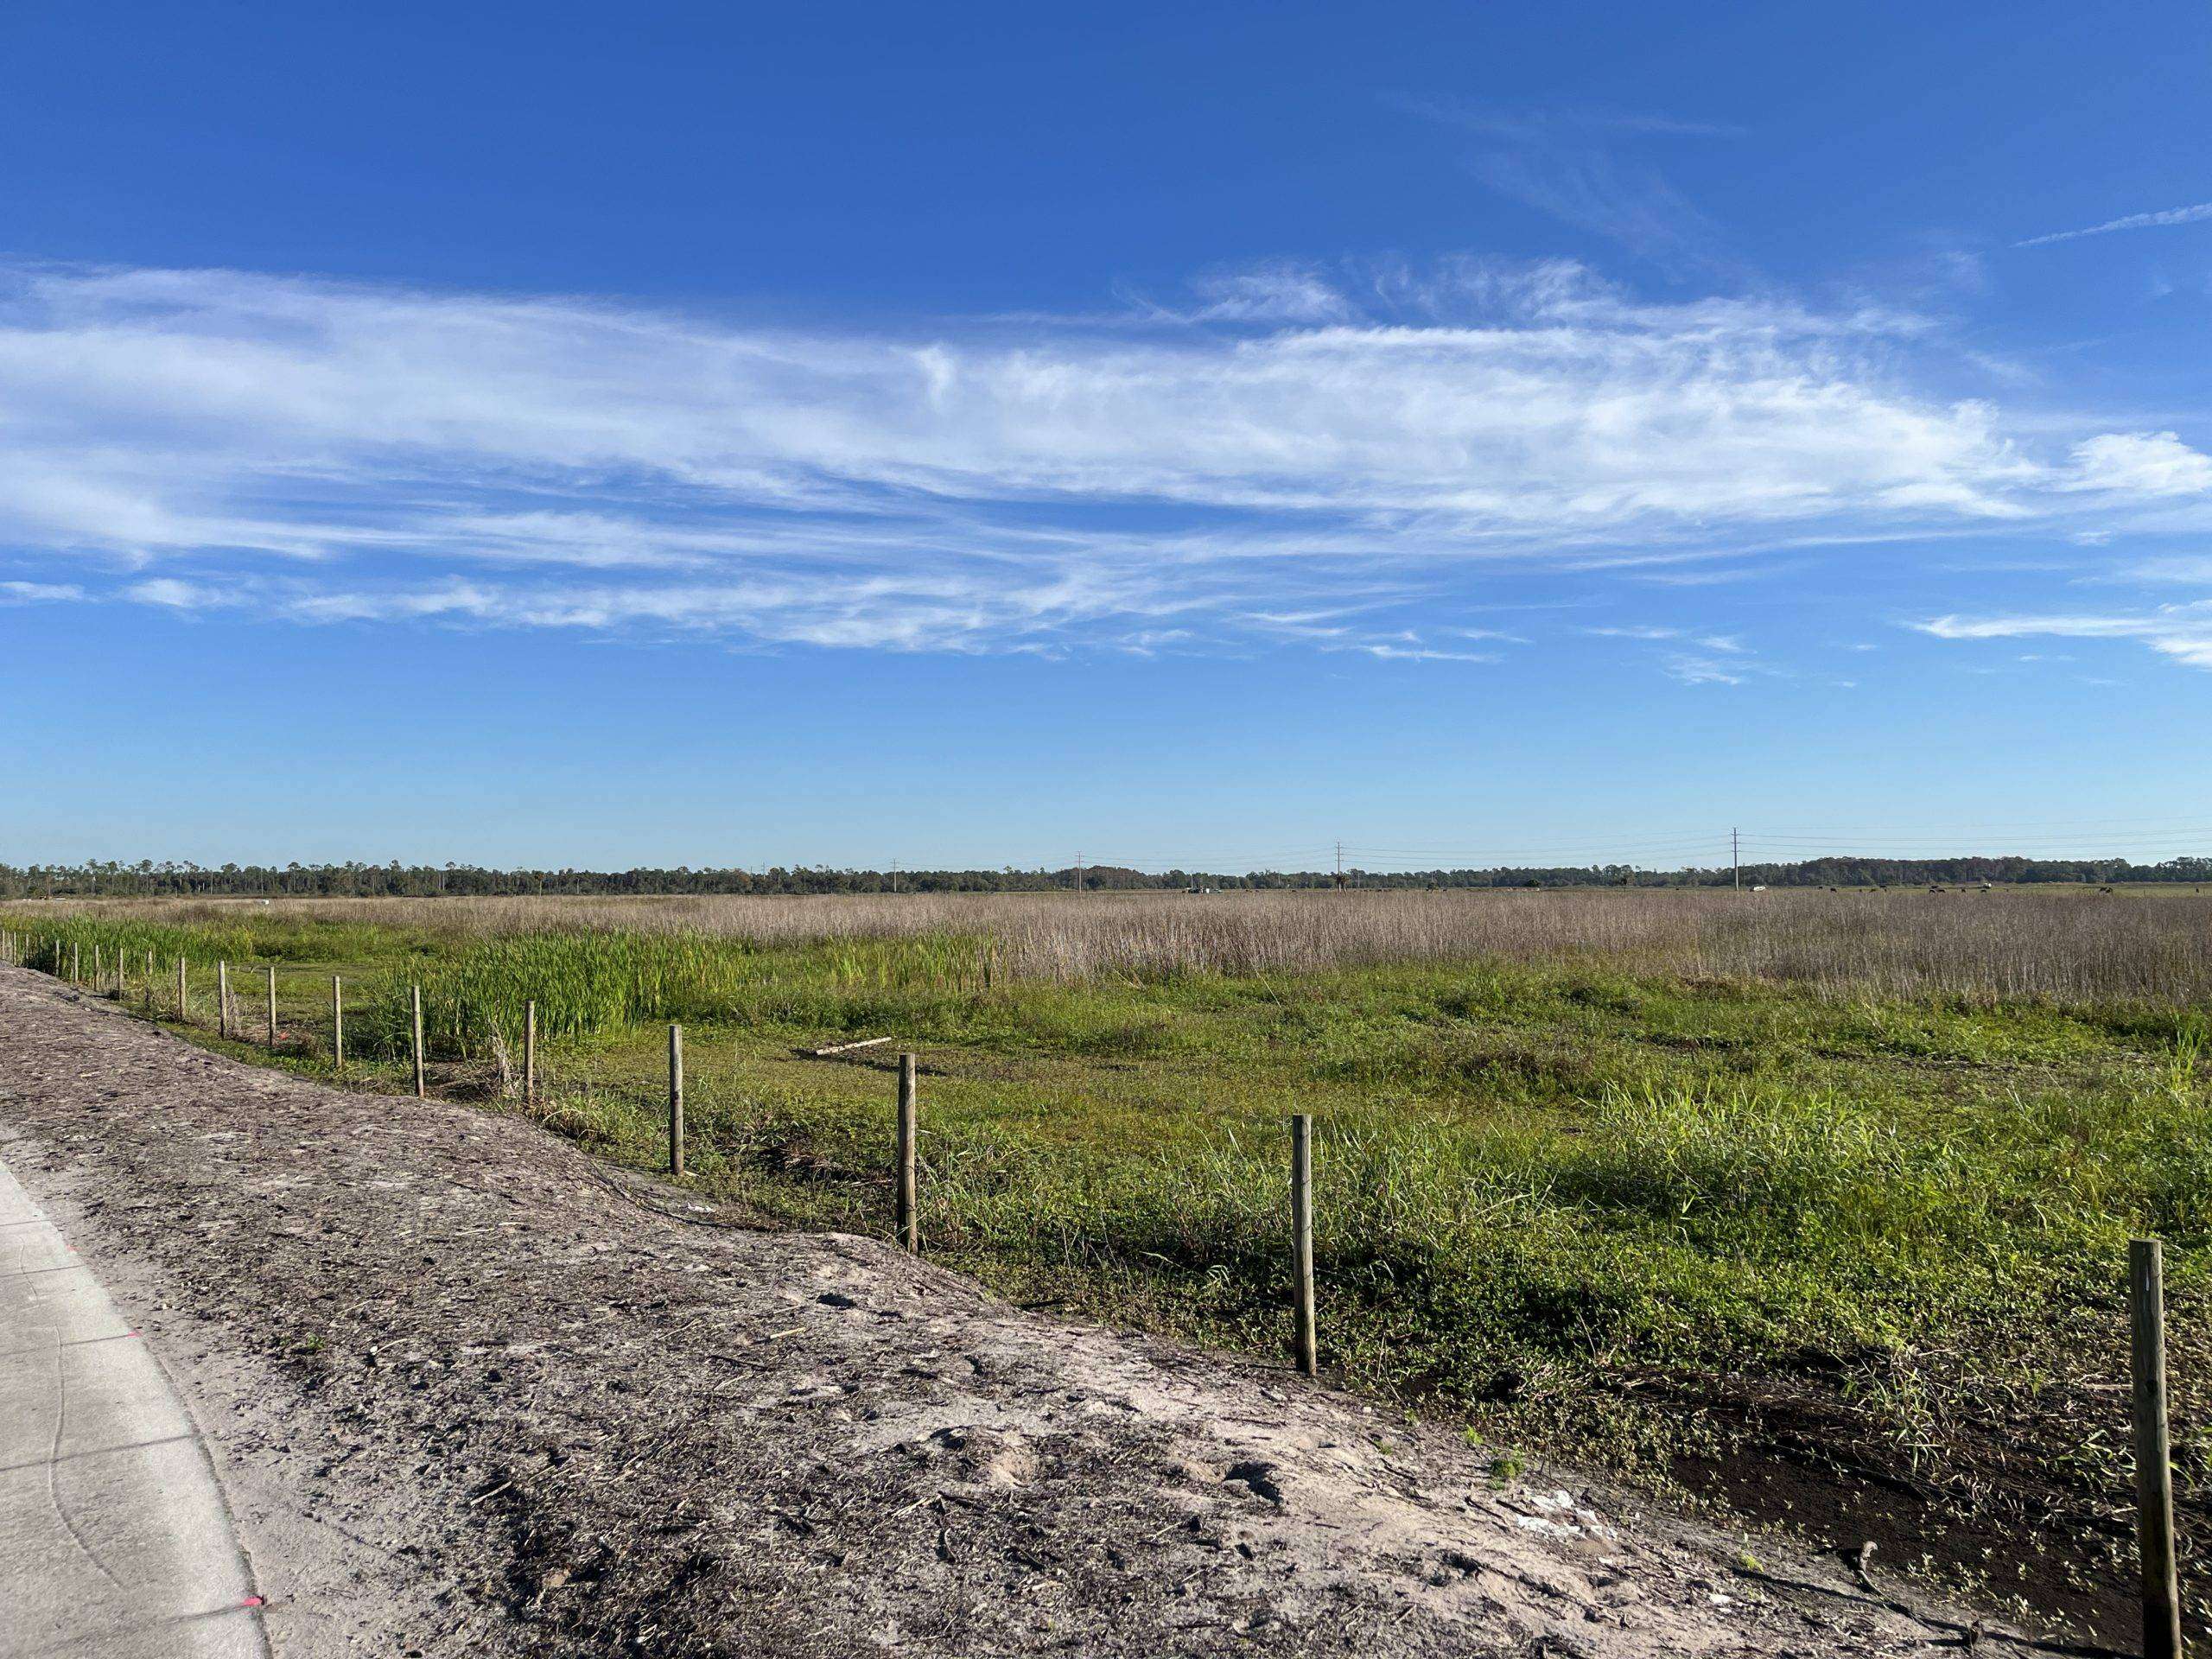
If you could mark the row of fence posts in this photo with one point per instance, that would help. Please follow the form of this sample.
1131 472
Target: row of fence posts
2146 1268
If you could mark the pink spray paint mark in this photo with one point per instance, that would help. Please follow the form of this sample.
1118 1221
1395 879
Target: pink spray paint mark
252 1601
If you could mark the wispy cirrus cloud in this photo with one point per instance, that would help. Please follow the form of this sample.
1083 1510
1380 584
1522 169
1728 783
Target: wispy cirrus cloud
1568 161
2195 213
1692 670
1690 655
2141 463
1726 642
2183 633
1301 441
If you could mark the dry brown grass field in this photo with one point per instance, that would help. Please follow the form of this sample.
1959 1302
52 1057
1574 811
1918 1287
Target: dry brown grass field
2150 944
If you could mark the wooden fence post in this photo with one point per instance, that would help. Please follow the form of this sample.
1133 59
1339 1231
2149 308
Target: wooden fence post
95 980
222 998
150 982
676 1100
337 1023
530 1052
2154 1474
76 962
908 1218
421 1092
272 1007
1301 1238
183 1003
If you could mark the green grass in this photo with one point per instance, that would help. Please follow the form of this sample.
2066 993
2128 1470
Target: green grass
1552 1200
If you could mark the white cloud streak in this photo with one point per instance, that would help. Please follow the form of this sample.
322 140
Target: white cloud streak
2142 463
2190 215
2183 633
1292 442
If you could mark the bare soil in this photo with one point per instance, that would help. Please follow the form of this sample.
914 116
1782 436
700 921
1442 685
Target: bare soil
472 1394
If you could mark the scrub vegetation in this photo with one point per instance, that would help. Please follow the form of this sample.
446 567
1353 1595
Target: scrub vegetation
1812 1204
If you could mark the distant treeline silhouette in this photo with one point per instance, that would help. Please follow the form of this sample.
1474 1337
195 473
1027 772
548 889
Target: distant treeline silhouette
108 880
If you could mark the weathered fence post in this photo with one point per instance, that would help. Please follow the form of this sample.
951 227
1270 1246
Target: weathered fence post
908 1217
76 962
1301 1239
337 1023
183 1003
272 1007
95 980
676 1100
149 986
421 1092
530 1052
222 998
2154 1474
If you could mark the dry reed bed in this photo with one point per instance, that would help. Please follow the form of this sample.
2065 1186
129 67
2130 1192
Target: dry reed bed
2065 947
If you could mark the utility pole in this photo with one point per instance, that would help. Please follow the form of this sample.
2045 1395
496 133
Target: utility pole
1078 872
1736 857
1340 865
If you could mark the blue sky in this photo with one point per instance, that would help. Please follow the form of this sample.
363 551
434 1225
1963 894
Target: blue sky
977 434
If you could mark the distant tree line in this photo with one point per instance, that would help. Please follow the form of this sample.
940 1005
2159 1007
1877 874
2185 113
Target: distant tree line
146 878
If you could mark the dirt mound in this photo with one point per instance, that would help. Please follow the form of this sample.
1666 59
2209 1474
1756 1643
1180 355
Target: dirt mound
470 1392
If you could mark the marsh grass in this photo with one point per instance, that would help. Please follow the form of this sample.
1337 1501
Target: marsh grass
1581 1156
2005 944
